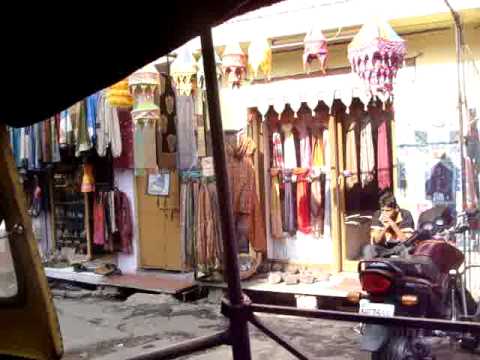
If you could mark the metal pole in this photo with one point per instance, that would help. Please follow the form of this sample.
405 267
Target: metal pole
238 321
399 321
185 348
263 328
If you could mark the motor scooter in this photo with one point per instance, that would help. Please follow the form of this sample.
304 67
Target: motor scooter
419 277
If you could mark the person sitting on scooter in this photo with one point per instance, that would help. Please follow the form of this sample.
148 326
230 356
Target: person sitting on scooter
390 225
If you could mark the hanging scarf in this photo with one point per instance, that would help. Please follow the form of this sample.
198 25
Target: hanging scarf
288 204
277 152
383 158
305 147
327 213
276 206
99 220
318 159
205 230
351 158
303 201
289 150
317 201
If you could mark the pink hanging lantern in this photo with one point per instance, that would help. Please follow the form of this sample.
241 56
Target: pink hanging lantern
234 64
315 47
375 54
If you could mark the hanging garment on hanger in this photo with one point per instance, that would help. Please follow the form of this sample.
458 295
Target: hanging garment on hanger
440 185
37 128
205 230
24 146
82 138
289 149
276 206
303 200
384 164
289 224
244 193
123 221
327 213
186 144
351 155
212 189
31 147
125 160
46 137
317 201
99 220
367 152
318 155
183 223
54 142
305 147
101 135
16 141
91 104
471 199
277 151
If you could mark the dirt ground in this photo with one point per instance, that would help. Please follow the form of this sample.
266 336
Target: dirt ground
96 328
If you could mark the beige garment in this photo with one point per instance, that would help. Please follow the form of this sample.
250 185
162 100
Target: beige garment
150 145
351 156
276 206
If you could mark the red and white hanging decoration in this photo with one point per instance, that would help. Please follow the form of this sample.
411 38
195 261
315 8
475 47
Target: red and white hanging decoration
315 47
375 54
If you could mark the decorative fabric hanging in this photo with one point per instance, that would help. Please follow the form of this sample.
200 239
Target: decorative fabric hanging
375 54
144 85
315 47
118 95
276 206
234 64
182 70
260 57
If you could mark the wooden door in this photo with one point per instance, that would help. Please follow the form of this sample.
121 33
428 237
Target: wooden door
159 232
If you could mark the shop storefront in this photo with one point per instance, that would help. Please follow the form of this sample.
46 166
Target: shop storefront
127 174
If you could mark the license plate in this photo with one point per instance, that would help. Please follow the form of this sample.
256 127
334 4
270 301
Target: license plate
377 309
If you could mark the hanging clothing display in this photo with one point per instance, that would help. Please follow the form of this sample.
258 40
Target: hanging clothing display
305 148
78 113
327 213
91 104
384 164
351 155
187 158
318 150
440 185
244 193
277 151
99 220
289 224
303 200
125 160
206 232
289 150
276 206
367 152
188 194
123 222
317 201
108 128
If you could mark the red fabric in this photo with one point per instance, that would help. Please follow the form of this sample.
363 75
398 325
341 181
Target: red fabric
124 222
99 220
125 160
303 201
384 164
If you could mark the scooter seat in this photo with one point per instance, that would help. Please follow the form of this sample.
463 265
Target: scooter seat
419 266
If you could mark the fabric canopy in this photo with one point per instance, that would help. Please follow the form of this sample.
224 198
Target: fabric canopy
56 54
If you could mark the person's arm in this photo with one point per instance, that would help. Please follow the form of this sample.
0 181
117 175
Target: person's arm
377 230
378 235
405 229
